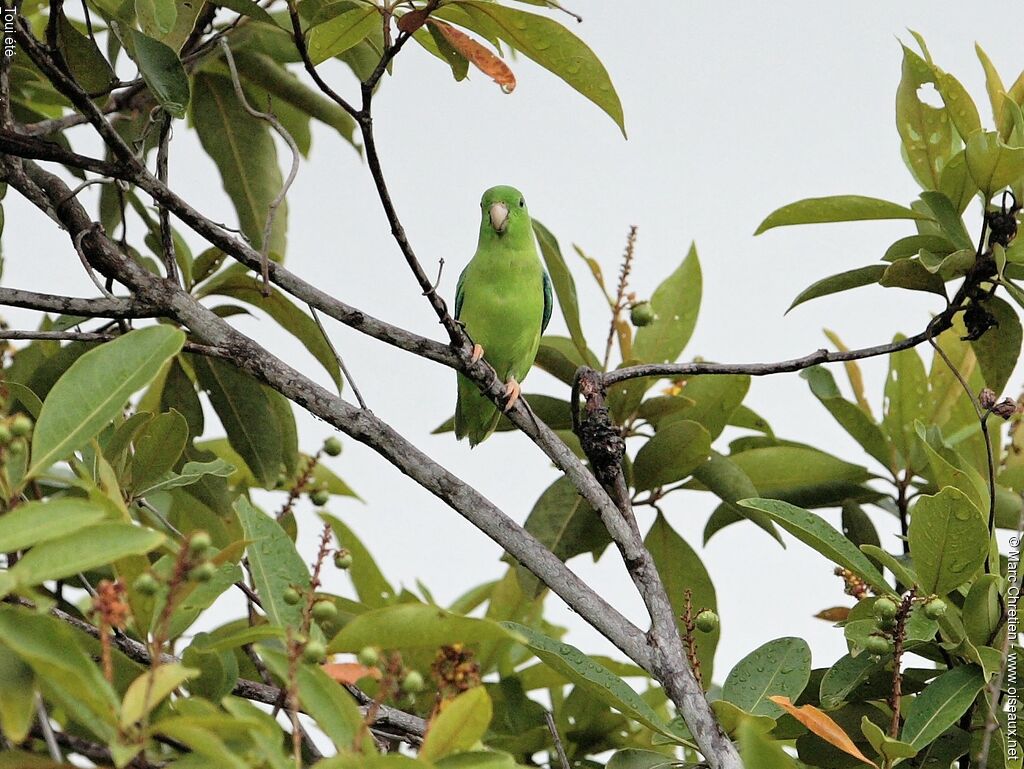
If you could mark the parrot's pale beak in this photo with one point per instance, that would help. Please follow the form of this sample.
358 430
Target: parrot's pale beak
499 217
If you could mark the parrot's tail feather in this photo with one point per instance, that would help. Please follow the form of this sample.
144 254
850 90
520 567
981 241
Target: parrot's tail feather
475 416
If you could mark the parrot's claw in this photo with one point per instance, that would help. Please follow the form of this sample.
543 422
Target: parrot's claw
512 391
478 353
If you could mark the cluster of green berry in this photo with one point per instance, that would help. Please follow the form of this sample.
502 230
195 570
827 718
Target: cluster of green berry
14 432
195 565
409 681
320 495
890 615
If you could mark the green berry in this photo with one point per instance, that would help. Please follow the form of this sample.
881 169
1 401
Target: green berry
641 314
413 682
343 559
886 623
885 608
368 656
291 596
706 621
21 426
877 644
324 611
319 497
313 652
200 543
332 447
5 434
935 608
146 584
203 572
17 447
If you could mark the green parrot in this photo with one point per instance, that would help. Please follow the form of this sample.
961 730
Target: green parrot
503 299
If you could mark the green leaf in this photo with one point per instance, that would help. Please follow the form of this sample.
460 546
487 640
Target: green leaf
564 523
82 550
17 697
150 688
672 454
800 474
156 17
558 356
563 283
461 723
778 668
433 41
328 703
982 612
956 182
844 281
247 8
709 400
849 415
88 66
634 758
993 165
261 70
553 47
941 704
959 104
162 70
94 389
274 563
728 482
370 584
948 540
926 131
681 570
901 572
34 522
245 410
948 219
913 276
595 679
906 387
836 208
192 472
415 625
157 448
676 303
844 677
999 347
336 35
886 746
244 152
248 289
758 751
815 532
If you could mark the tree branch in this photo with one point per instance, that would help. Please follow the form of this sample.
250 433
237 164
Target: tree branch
99 307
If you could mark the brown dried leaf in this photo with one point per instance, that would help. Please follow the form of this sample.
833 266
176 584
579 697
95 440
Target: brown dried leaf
822 725
349 672
410 22
834 614
478 55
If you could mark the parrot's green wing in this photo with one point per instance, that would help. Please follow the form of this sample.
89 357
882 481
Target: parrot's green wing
460 295
547 304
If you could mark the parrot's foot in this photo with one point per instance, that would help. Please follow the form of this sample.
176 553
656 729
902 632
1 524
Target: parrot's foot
478 353
512 392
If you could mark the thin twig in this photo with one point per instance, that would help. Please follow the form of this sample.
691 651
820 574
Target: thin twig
47 729
88 267
559 748
341 361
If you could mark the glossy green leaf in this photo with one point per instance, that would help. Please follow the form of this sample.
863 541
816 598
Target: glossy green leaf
80 551
959 104
836 208
94 389
332 707
563 283
156 17
371 586
815 531
340 33
591 676
842 679
948 540
413 625
242 148
681 570
993 165
564 523
778 668
861 427
844 281
461 723
672 454
998 349
553 47
274 563
150 688
35 522
244 407
162 70
675 303
926 132
941 704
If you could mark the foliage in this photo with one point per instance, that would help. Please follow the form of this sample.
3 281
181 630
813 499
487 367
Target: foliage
115 479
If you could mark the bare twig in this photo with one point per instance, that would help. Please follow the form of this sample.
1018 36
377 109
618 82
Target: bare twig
559 748
341 361
47 729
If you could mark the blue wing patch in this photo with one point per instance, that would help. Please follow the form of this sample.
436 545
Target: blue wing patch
548 303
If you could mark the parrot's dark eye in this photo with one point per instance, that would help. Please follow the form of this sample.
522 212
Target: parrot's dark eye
521 202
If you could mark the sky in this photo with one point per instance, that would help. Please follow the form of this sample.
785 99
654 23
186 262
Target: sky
732 110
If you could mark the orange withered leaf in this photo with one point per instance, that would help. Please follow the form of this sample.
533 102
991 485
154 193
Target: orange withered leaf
478 55
349 672
834 614
822 725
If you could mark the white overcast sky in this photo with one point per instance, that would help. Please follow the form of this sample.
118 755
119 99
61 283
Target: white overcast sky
732 111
